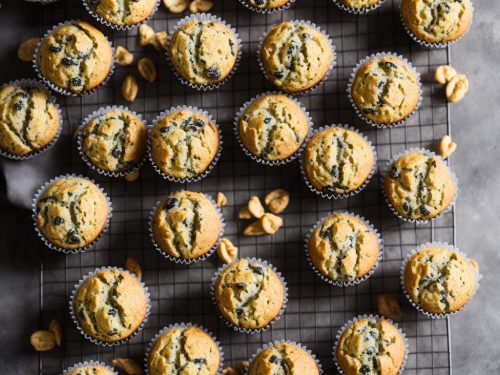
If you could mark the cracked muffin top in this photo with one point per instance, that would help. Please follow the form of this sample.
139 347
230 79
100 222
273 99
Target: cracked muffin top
186 225
338 160
184 350
371 347
343 247
295 57
273 127
28 119
184 143
122 12
266 4
110 305
115 140
359 4
419 186
385 90
203 52
249 295
283 358
439 280
437 21
90 370
72 212
75 57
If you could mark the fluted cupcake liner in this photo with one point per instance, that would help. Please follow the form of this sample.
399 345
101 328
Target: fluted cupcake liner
44 239
183 325
42 2
61 90
325 77
34 83
345 283
88 363
265 10
263 263
384 171
212 164
77 322
184 260
203 17
262 160
353 103
376 317
335 195
477 277
357 11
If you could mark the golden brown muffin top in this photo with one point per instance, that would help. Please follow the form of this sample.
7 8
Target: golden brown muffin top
122 12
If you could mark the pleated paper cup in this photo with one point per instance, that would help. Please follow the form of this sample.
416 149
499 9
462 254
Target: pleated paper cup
247 5
88 363
357 11
42 2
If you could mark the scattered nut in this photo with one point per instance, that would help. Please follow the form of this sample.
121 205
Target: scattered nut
255 207
242 367
128 365
245 213
146 35
27 49
389 307
55 328
43 341
133 266
226 251
230 371
131 177
198 6
147 69
123 56
474 264
130 88
277 200
446 146
457 88
271 223
176 6
221 199
160 41
444 73
254 229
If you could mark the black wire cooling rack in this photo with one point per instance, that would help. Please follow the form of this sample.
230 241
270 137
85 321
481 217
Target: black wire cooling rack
181 293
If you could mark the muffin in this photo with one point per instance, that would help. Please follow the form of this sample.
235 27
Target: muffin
419 186
385 90
89 369
283 358
29 120
184 143
371 346
110 305
71 213
114 140
266 4
337 161
75 58
295 56
203 52
358 4
437 21
184 349
343 248
186 225
273 127
121 13
249 295
439 280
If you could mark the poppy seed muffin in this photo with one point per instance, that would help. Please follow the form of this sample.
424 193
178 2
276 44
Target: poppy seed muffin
71 213
249 295
359 4
184 143
187 350
203 52
75 57
266 4
295 56
122 12
371 346
419 186
437 21
283 358
273 127
110 305
29 121
439 280
90 370
385 90
186 225
338 161
343 248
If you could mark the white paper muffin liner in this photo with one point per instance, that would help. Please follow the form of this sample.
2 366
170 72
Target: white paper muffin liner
345 283
61 90
246 4
277 342
335 195
262 160
212 164
77 322
88 363
115 26
263 263
385 170
183 325
203 17
44 239
353 103
184 260
477 277
79 141
357 11
34 83
42 2
376 317
325 77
